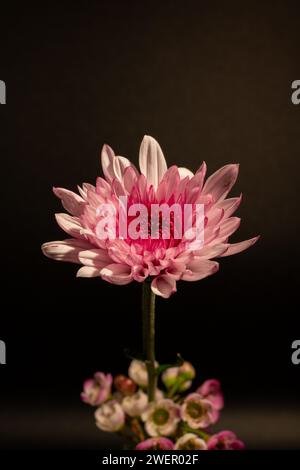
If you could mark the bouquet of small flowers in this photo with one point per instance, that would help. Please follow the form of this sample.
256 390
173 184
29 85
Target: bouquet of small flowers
175 420
156 226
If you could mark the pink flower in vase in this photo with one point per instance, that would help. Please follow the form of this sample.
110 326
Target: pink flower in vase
225 440
97 389
162 249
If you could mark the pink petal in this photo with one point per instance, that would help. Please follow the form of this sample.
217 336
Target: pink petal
139 273
229 205
88 271
220 183
175 269
115 273
88 187
214 216
228 227
200 268
103 187
94 199
119 166
130 177
194 186
65 250
72 202
118 187
139 191
119 251
185 172
84 190
168 184
181 188
70 225
211 390
202 171
208 252
152 161
163 285
96 258
107 158
235 248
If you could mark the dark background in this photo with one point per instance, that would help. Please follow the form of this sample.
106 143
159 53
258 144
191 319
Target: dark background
209 80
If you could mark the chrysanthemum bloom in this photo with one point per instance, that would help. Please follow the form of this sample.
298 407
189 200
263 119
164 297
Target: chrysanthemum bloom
155 443
161 418
110 416
97 390
190 441
136 404
225 440
125 385
120 260
211 390
179 376
198 412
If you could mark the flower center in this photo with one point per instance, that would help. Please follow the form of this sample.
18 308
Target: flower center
160 416
189 445
221 445
158 231
195 410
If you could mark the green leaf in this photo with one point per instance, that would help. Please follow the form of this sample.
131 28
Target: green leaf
133 355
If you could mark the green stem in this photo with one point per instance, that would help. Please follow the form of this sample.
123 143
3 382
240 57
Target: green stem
149 337
199 432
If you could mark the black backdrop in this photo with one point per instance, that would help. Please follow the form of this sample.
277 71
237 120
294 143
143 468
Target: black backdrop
209 80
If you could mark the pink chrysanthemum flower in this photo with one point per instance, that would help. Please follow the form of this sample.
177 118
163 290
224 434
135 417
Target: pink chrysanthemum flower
166 261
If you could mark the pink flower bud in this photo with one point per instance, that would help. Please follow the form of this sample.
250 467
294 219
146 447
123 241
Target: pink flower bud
124 385
110 416
138 372
181 376
134 405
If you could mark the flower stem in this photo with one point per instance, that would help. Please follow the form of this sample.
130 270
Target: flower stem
149 337
199 432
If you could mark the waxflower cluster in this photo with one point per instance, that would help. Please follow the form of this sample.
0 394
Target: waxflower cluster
175 420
